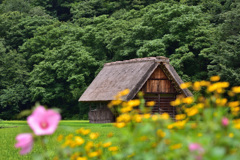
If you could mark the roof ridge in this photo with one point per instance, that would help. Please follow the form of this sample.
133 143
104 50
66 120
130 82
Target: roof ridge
131 61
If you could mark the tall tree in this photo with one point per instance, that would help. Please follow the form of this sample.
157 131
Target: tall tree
14 93
226 61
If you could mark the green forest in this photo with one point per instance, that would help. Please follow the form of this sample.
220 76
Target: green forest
51 50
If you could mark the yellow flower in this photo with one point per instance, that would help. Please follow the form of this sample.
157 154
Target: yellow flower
147 116
86 131
68 137
116 102
79 140
134 102
180 124
82 158
180 117
216 86
170 126
235 110
113 149
124 118
236 123
214 78
191 111
67 143
160 133
236 89
188 100
164 116
93 154
94 135
176 146
199 134
176 102
107 144
231 135
221 102
150 103
124 92
199 106
88 146
231 94
60 138
204 83
220 90
83 131
197 86
185 85
126 109
155 117
237 126
224 84
120 124
137 118
233 104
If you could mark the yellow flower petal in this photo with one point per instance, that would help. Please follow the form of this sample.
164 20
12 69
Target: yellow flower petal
214 78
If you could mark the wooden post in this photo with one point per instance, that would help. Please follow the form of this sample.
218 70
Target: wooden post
159 104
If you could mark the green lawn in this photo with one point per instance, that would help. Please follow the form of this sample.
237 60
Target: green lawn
12 128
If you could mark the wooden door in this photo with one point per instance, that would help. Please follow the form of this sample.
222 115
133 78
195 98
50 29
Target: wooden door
162 103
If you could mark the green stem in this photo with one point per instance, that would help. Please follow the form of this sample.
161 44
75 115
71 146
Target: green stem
46 157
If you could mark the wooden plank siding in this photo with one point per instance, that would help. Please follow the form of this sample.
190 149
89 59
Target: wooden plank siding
160 89
158 83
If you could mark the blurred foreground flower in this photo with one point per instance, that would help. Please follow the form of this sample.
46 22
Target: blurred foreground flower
198 148
225 121
25 141
43 122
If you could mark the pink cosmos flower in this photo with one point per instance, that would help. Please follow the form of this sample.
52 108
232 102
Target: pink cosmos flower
196 147
25 141
225 121
43 122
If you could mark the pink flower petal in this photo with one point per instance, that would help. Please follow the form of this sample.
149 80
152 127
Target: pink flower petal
196 147
225 121
24 141
43 122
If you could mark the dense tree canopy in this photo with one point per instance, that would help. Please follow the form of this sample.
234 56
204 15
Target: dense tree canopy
51 50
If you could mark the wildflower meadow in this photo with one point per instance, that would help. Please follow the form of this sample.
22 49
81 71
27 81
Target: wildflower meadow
206 127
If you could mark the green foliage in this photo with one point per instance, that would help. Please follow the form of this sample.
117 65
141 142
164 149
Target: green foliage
13 88
226 60
21 6
63 67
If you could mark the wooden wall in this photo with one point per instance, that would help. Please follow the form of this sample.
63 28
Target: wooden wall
159 88
158 83
101 115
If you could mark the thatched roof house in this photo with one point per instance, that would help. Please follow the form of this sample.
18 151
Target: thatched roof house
153 75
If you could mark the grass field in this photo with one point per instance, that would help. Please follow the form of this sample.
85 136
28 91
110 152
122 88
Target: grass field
12 128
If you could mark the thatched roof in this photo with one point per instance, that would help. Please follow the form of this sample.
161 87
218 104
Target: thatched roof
130 74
